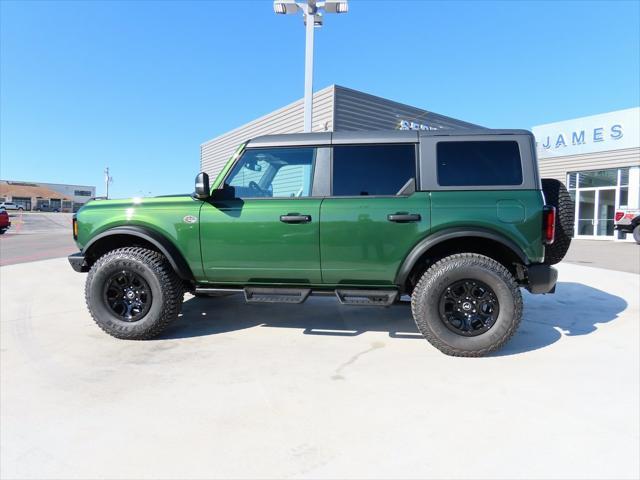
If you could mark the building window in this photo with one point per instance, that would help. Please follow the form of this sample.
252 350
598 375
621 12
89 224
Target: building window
82 193
598 194
466 164
372 169
24 202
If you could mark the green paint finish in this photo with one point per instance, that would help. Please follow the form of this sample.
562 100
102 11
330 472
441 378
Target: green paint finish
479 208
223 173
164 215
245 241
510 211
359 245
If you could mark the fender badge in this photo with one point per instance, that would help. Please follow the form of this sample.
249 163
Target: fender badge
189 219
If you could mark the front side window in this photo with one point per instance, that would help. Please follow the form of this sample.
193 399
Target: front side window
479 163
273 173
373 169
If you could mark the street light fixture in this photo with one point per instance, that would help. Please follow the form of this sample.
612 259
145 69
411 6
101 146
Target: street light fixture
309 8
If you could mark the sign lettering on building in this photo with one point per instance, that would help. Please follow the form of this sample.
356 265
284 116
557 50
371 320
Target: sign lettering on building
597 133
409 125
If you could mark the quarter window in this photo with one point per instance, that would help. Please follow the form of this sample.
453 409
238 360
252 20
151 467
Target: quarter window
372 169
466 164
273 173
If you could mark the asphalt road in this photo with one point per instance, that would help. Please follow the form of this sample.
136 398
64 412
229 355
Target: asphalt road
37 236
316 390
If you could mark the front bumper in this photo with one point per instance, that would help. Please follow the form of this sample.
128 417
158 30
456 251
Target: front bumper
78 262
541 278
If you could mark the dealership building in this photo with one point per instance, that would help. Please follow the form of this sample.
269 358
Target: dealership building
335 109
598 157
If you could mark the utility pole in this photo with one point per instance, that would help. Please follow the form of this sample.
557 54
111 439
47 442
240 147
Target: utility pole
107 181
308 66
312 16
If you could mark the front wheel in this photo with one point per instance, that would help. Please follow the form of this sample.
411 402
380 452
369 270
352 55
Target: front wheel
467 305
133 293
636 234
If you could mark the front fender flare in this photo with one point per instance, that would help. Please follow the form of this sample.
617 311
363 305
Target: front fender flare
448 234
164 245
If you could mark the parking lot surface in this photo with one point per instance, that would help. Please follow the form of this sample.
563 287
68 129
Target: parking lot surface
36 236
622 256
316 390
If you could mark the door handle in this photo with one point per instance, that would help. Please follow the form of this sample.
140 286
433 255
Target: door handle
295 218
404 217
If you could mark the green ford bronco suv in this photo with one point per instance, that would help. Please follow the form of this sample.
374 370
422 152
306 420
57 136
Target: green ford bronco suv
457 220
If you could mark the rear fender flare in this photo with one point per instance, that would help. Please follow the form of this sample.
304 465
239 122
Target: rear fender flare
448 234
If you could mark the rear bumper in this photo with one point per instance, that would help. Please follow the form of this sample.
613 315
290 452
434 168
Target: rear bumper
624 227
78 262
542 279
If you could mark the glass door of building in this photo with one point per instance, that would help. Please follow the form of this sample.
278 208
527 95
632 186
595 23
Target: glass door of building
595 210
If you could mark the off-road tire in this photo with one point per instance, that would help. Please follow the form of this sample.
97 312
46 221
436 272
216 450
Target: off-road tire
636 234
167 292
425 302
557 195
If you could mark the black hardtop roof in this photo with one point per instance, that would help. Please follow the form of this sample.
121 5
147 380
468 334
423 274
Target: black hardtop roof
378 136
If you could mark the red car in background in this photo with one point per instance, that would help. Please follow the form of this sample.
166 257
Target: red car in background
5 223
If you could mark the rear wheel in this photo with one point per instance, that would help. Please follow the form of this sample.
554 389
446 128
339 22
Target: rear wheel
133 293
557 195
467 305
636 234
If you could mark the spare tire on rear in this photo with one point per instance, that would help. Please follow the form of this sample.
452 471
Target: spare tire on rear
557 195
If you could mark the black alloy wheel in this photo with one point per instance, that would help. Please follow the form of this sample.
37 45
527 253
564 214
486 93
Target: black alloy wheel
469 307
127 295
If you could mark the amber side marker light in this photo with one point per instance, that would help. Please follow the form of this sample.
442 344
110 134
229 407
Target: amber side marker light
75 228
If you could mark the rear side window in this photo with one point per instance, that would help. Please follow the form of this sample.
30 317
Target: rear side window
372 169
466 164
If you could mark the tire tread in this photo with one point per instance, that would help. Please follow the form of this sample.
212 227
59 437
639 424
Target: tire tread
171 285
452 262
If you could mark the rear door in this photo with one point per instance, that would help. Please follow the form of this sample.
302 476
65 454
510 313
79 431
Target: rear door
267 231
374 215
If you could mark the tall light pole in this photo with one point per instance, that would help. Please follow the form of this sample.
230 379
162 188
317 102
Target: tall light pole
312 16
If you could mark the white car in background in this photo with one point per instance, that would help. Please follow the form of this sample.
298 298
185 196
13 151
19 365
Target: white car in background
11 206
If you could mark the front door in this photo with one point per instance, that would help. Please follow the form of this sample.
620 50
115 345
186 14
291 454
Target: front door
266 230
373 216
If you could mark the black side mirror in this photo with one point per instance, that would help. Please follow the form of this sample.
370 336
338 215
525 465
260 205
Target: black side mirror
202 186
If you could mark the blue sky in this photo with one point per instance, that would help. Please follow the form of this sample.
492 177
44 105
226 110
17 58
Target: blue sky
139 86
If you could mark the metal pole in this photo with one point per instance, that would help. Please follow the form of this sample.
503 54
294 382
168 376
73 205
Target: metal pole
308 70
106 182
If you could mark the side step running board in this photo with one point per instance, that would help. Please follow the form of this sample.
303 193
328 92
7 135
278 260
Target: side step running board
276 295
379 298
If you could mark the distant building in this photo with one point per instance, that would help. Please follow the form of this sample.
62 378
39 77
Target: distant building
46 196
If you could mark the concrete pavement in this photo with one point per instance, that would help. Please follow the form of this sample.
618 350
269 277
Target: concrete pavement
622 256
316 390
